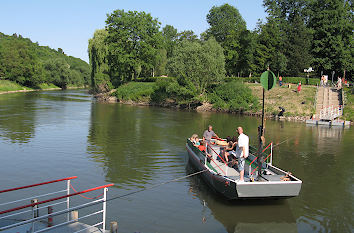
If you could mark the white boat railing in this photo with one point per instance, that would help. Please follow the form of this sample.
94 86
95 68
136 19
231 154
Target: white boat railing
31 218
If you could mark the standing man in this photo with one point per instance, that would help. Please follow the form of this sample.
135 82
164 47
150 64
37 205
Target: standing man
208 134
280 81
242 152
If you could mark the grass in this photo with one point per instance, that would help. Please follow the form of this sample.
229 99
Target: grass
348 113
6 85
136 91
46 86
295 104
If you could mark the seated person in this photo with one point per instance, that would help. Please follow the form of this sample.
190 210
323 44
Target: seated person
202 147
197 141
193 139
229 151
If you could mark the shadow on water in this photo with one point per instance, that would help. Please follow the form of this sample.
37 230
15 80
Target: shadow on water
243 215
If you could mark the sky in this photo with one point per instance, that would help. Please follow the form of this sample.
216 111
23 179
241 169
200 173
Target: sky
69 24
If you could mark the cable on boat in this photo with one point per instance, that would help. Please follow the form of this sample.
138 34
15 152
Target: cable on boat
283 142
156 185
84 195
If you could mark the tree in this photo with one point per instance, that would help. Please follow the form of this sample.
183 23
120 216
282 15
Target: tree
197 64
226 26
298 46
133 42
187 35
58 72
98 52
170 36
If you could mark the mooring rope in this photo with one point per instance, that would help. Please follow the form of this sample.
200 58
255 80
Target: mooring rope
156 185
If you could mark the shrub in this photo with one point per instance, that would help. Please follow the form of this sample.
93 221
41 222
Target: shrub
135 91
170 88
233 96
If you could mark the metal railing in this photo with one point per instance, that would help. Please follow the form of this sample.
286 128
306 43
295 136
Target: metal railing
269 156
53 202
331 112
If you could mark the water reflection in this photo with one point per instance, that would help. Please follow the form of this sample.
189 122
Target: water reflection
17 117
243 216
120 139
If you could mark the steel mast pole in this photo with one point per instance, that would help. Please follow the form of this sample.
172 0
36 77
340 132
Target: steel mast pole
260 141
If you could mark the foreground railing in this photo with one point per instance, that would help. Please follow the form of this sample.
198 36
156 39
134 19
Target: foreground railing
50 203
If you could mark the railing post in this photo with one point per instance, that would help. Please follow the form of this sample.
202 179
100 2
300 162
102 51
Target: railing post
35 212
104 208
68 199
50 218
271 153
114 227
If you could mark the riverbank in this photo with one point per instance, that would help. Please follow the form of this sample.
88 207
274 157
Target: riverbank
8 87
298 106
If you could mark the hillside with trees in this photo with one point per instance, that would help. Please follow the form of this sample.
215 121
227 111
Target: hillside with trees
31 65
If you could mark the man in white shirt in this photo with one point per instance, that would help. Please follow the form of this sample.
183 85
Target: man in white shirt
242 152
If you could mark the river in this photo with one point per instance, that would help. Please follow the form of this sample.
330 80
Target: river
55 134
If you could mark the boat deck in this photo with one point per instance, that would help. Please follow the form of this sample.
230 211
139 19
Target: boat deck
221 167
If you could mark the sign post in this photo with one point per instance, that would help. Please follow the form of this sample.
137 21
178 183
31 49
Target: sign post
268 81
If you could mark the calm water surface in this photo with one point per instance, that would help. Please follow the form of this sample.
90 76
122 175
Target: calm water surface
50 135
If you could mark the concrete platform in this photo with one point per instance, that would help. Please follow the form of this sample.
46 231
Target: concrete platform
70 228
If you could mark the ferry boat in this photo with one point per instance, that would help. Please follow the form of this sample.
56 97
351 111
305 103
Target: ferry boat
272 183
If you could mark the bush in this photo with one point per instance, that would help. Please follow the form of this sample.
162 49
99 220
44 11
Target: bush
136 91
233 96
296 80
293 80
170 88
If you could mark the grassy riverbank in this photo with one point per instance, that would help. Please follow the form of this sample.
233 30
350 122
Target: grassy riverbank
7 86
295 104
348 113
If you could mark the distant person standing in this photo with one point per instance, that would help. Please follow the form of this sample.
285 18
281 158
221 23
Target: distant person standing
280 81
299 87
242 151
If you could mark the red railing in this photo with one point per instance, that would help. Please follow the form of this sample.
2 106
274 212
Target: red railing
39 184
257 166
219 157
54 199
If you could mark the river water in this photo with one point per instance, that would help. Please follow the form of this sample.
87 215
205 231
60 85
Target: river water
56 134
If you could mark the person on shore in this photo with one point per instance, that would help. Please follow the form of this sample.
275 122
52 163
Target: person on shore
299 87
322 81
280 81
242 151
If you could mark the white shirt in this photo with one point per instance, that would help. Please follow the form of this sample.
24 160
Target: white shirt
243 141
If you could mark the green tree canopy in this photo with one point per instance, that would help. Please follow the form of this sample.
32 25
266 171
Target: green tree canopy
226 26
197 64
133 43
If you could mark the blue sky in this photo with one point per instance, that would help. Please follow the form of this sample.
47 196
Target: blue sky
69 24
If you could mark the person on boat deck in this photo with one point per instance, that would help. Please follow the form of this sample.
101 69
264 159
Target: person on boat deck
195 140
242 151
231 146
208 134
201 147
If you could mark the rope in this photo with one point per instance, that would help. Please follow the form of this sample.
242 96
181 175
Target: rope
156 185
83 195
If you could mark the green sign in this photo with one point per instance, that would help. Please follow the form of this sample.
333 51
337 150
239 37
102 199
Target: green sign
268 80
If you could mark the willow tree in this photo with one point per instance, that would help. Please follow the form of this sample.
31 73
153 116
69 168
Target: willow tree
98 52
